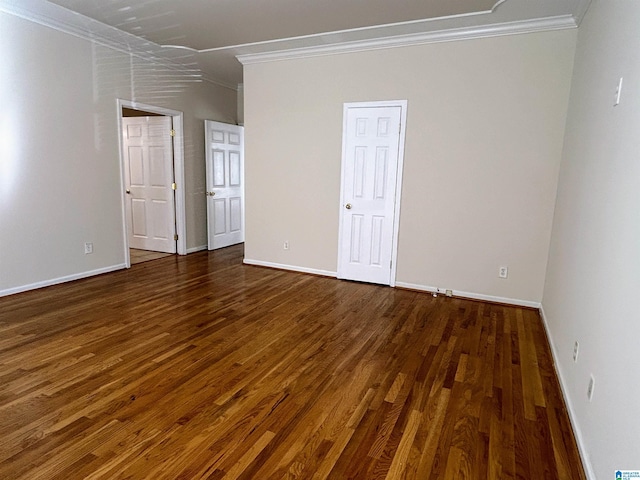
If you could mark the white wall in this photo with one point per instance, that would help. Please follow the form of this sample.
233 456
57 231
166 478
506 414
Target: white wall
60 181
484 141
594 262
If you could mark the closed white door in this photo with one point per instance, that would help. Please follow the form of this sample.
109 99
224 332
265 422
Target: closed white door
148 165
371 141
225 183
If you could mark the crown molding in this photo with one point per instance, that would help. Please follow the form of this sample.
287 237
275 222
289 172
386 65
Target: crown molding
560 22
77 25
581 10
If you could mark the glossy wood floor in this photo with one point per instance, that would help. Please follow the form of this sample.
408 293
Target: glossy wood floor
200 367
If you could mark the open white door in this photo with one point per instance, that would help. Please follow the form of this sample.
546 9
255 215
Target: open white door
148 171
371 168
225 183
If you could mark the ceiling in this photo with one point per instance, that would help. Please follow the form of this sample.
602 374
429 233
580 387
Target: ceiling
213 33
205 24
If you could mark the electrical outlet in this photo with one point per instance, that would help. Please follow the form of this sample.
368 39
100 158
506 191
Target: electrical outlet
286 245
503 272
576 346
88 248
592 385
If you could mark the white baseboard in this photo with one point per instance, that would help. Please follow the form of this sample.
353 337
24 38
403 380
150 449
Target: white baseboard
567 401
196 249
293 268
412 286
55 281
471 295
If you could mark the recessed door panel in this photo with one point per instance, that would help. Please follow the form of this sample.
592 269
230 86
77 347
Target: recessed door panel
219 168
157 167
380 180
139 217
359 172
133 131
220 216
217 136
377 240
136 167
235 214
160 226
356 239
234 169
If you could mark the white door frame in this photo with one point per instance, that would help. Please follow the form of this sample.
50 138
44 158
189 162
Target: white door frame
178 168
396 211
208 142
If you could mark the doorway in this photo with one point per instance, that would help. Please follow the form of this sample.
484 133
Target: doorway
225 184
153 203
372 160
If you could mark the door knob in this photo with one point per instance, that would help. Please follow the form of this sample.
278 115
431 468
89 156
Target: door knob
128 192
348 206
210 194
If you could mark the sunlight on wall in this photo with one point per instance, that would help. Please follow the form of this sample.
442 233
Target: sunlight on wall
9 164
9 133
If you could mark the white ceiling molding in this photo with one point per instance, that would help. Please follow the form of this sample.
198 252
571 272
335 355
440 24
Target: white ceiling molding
66 21
223 65
418 24
581 10
560 22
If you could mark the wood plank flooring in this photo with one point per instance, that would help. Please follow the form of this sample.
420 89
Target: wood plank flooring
140 256
200 367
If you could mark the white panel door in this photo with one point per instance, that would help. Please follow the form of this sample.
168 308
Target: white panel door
148 164
225 183
371 141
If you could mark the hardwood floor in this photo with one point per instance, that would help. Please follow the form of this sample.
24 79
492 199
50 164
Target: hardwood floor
201 367
140 256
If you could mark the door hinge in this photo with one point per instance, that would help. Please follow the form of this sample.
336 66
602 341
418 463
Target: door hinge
172 132
174 186
175 237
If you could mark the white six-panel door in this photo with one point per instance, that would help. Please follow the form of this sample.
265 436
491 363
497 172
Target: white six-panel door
148 165
371 141
225 189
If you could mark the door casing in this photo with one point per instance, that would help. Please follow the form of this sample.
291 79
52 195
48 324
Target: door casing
151 134
178 168
400 167
226 148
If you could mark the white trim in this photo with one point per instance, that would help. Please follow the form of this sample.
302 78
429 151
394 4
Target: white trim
581 11
402 104
178 167
293 268
559 22
567 401
56 281
339 33
473 296
399 171
196 249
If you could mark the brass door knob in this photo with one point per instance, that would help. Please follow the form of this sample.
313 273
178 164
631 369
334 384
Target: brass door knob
348 206
210 194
